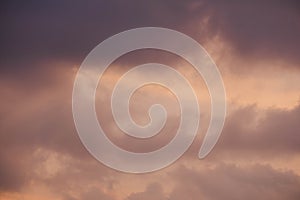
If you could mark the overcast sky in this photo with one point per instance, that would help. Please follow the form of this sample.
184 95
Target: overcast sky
256 46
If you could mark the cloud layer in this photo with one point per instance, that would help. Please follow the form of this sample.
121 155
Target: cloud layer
256 47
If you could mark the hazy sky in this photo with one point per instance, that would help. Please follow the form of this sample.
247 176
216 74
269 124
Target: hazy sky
256 46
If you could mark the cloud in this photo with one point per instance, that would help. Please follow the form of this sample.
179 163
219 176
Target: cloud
42 43
153 191
273 132
12 178
55 30
227 181
257 29
95 194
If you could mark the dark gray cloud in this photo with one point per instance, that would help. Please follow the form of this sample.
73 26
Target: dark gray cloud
12 178
38 31
258 29
227 181
37 37
68 30
273 132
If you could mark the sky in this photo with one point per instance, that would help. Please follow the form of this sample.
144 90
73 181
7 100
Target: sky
255 45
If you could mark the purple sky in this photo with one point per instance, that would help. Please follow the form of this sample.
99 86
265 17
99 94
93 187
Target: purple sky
256 47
